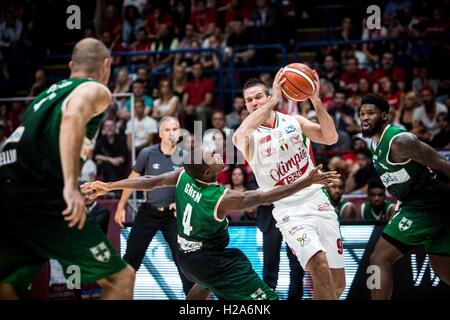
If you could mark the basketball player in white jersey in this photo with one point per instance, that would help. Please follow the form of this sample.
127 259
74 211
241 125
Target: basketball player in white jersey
278 149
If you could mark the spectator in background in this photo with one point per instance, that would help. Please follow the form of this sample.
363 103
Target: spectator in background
441 139
396 8
198 98
188 59
132 22
426 114
343 115
139 94
141 44
243 113
423 80
189 35
111 22
210 60
238 182
388 69
89 168
15 115
406 114
154 21
362 173
344 209
350 77
232 119
240 37
179 81
438 23
142 75
262 22
232 9
364 87
114 45
377 207
218 122
110 153
390 92
145 128
122 85
167 104
165 40
40 83
372 50
326 93
181 16
330 70
203 18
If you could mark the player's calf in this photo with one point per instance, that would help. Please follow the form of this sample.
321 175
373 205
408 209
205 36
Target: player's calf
441 265
119 286
321 276
338 276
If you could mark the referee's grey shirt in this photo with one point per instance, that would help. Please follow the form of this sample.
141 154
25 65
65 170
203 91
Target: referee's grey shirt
152 161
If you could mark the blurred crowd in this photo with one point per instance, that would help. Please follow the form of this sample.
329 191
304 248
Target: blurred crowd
409 73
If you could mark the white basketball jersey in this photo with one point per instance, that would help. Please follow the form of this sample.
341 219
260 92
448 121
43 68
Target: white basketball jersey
282 154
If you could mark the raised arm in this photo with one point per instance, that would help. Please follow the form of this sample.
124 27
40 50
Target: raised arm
323 132
98 188
87 100
407 146
257 117
234 200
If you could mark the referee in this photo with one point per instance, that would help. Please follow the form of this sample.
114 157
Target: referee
157 212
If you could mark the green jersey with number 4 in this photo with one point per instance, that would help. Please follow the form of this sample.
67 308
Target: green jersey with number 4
197 220
31 153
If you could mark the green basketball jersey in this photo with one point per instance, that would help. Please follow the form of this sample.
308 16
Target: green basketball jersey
407 181
31 153
368 213
197 221
339 209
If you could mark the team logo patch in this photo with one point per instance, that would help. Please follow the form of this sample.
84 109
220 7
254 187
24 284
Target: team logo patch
404 224
156 166
323 206
259 295
296 139
265 139
101 252
290 128
304 240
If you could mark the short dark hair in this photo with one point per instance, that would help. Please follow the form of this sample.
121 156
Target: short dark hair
375 184
195 170
138 81
378 101
252 82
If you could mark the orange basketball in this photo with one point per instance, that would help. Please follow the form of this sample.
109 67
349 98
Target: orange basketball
299 84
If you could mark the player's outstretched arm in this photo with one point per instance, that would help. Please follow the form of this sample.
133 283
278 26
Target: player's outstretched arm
98 188
256 118
234 200
407 146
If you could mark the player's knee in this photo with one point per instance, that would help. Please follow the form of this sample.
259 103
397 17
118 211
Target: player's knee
7 292
378 258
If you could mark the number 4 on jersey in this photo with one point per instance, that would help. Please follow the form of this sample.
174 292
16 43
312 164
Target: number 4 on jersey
187 220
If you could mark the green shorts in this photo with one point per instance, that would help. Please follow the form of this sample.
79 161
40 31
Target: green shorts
33 230
227 273
413 227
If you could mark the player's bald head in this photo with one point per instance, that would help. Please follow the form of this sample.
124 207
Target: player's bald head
88 56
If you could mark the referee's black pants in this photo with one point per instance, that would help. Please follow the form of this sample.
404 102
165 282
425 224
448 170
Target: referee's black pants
146 223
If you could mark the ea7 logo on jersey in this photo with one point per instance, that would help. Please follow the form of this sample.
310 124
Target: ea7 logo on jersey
404 224
304 240
289 129
101 252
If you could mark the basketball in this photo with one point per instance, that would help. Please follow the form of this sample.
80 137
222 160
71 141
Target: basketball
299 84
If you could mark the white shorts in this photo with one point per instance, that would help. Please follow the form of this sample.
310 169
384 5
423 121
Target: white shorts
309 228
